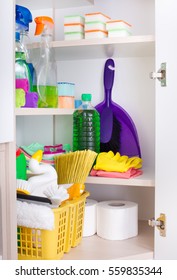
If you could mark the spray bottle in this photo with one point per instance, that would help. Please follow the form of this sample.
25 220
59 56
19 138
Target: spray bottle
46 69
23 18
23 68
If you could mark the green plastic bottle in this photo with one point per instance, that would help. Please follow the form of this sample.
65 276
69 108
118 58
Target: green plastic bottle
21 166
86 126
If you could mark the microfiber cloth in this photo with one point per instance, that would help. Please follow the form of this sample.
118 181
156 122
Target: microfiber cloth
34 216
130 173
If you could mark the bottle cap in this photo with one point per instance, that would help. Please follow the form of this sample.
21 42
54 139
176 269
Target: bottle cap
86 97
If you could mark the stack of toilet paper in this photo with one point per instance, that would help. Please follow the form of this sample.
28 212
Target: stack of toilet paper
112 220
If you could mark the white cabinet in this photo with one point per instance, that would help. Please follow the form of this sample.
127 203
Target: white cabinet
133 90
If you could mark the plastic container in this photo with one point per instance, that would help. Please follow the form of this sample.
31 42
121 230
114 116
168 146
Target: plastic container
22 70
46 68
86 126
36 244
66 93
21 166
91 34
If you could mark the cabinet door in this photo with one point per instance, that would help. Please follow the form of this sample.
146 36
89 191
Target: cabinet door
7 71
166 129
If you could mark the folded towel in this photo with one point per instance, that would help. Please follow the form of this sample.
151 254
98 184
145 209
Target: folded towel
23 84
131 173
34 216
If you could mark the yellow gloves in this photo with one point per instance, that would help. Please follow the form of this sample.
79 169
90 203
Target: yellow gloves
117 163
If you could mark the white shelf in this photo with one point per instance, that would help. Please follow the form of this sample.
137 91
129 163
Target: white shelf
53 4
96 248
144 180
42 111
131 46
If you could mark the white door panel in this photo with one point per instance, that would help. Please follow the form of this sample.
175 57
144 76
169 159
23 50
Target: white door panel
166 129
6 72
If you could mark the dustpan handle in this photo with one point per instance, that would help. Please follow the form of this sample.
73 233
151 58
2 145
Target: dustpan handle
109 70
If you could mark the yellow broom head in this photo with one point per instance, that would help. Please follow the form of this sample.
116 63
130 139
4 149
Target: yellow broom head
74 167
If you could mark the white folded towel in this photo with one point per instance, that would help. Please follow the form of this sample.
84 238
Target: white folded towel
34 216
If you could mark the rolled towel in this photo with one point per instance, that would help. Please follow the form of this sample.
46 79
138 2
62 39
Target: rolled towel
34 216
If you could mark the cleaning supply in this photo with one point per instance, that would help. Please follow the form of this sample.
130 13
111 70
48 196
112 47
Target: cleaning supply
31 215
124 137
22 70
116 163
22 19
86 126
57 194
110 127
19 98
66 93
20 165
118 28
74 167
23 187
73 27
46 69
44 175
91 34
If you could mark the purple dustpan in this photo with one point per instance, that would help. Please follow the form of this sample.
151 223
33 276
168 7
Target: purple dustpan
129 142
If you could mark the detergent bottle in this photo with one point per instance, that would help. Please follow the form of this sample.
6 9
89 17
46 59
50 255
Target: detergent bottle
22 70
46 69
23 19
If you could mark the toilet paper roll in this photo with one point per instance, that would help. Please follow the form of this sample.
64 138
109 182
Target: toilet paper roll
90 218
117 219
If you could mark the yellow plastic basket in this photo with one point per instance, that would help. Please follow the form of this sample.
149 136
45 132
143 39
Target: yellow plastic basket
38 244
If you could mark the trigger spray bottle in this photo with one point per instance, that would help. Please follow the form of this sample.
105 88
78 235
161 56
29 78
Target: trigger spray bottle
46 68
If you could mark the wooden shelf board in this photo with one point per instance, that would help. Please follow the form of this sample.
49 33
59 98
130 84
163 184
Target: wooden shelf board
42 111
144 180
131 46
96 248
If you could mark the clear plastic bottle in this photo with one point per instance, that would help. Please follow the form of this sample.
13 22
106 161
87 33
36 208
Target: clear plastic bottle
22 70
86 126
46 68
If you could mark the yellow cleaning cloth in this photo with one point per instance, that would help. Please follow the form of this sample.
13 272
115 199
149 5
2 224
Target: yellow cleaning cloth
116 163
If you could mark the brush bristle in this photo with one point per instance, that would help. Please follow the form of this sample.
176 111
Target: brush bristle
74 167
114 143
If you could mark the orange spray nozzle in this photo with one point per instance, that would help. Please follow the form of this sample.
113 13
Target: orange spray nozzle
42 22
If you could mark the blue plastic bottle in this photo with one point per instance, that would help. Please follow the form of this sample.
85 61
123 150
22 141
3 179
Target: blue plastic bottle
23 18
86 126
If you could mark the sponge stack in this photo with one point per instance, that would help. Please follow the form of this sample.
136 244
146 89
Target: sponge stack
74 27
118 28
95 25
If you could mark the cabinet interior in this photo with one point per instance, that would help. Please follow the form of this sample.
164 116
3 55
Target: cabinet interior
133 90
